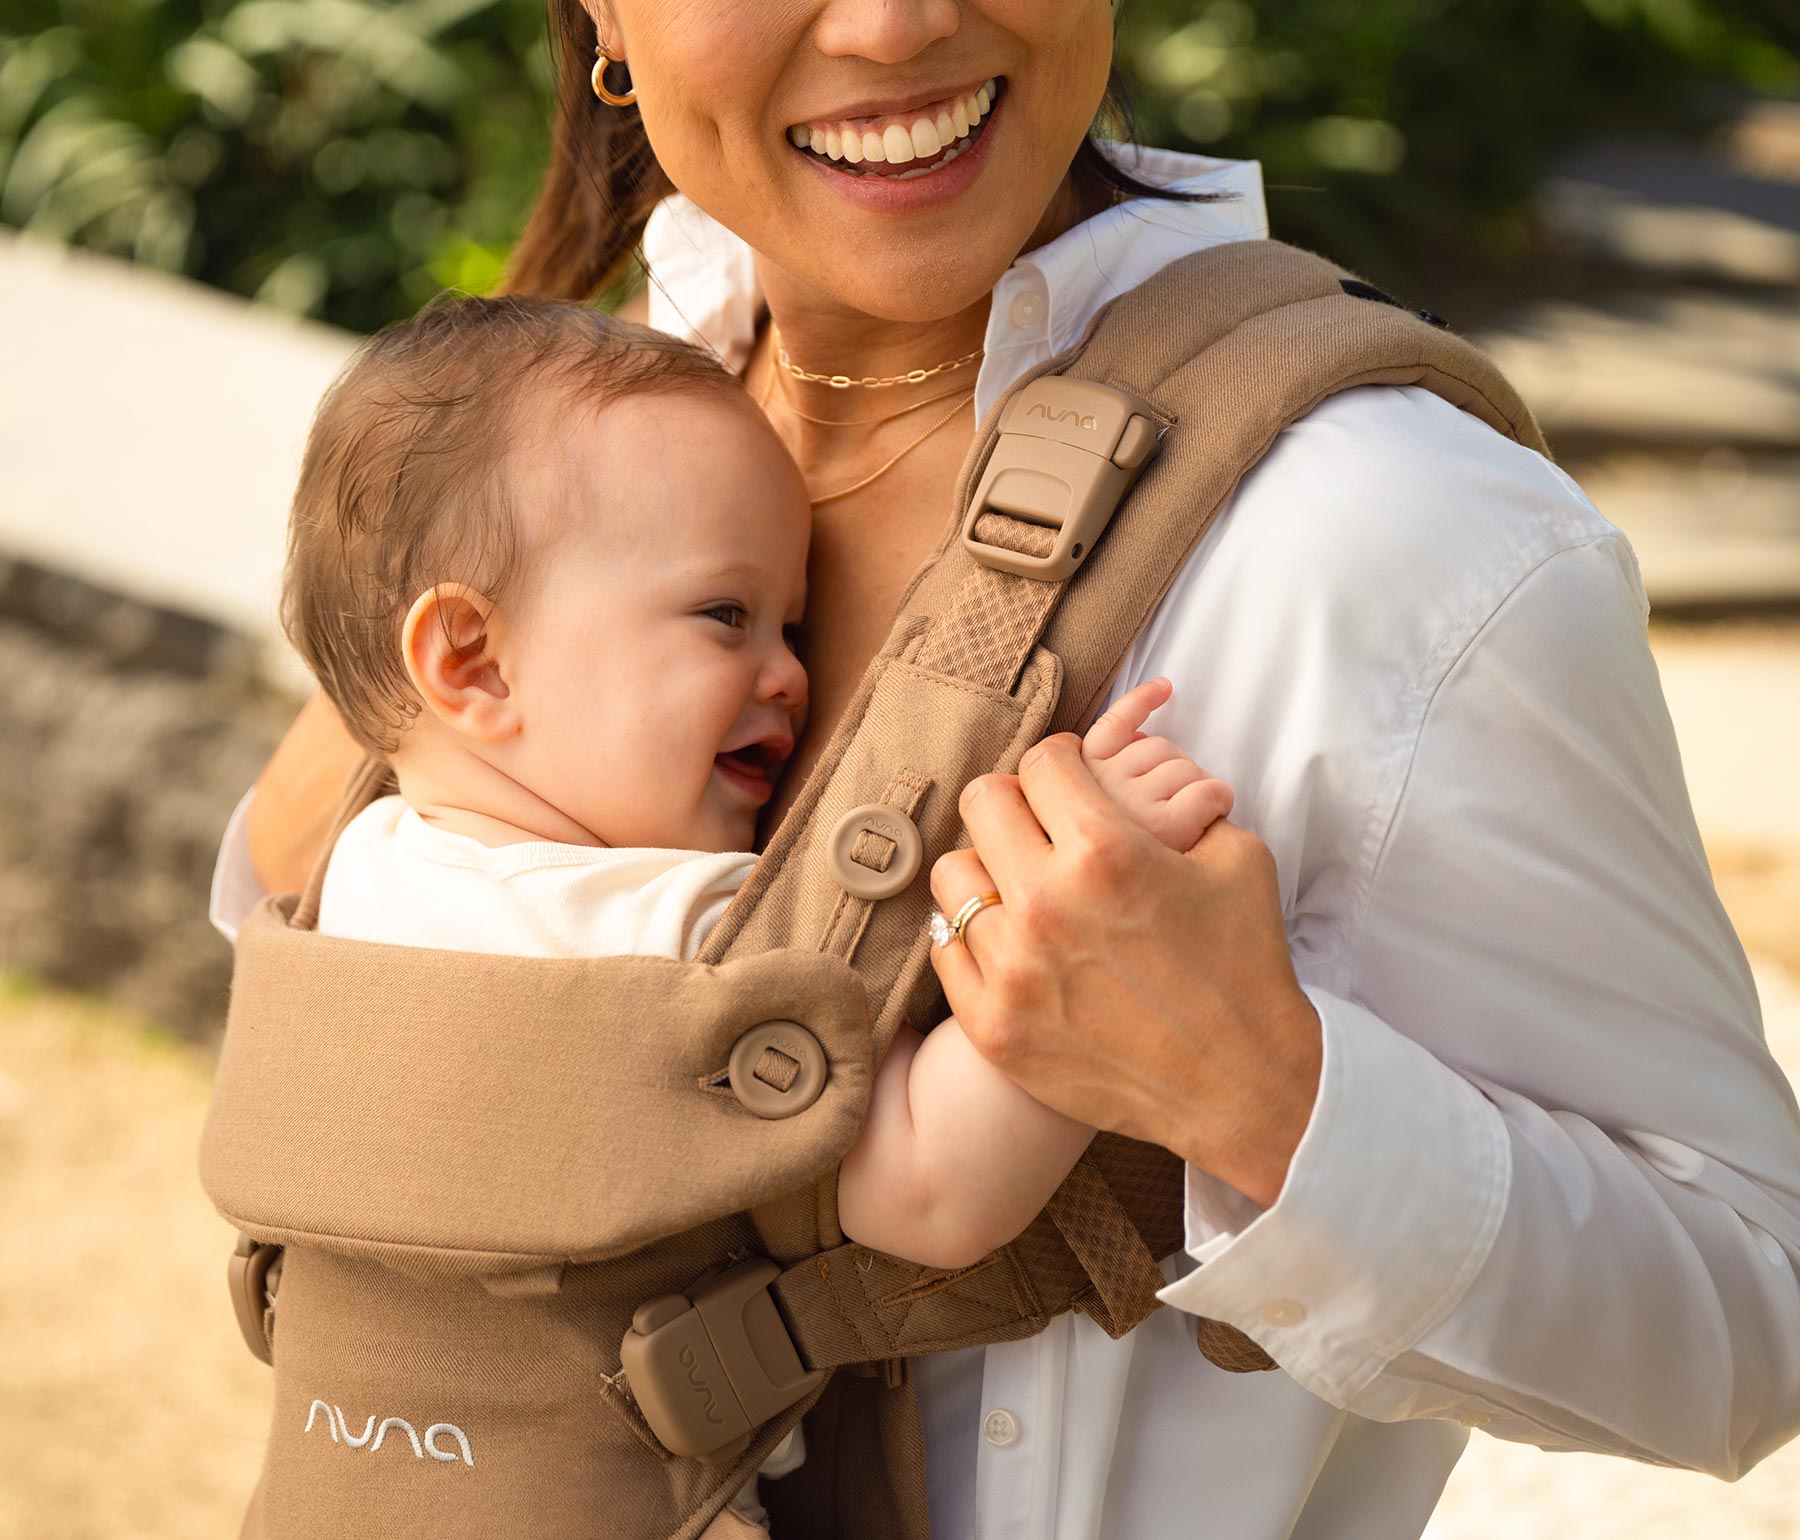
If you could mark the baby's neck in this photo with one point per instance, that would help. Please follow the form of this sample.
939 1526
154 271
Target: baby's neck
452 789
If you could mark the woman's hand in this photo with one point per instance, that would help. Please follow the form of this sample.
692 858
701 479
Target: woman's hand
1126 985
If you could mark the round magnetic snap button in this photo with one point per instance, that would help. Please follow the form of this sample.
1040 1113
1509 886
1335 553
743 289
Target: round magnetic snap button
1000 1427
875 851
1026 311
778 1069
1284 1312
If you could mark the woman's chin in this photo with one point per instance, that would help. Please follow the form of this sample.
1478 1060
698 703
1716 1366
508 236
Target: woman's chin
910 280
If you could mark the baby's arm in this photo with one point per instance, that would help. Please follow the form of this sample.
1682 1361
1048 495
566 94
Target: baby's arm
955 1159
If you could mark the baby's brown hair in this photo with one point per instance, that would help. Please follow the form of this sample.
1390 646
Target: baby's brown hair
404 481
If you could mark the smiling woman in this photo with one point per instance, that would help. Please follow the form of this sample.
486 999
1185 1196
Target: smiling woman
1382 1079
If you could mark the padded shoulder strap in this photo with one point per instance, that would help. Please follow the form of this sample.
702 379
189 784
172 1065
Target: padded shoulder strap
1230 346
1226 347
1234 344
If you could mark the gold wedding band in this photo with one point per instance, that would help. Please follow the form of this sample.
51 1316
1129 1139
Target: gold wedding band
968 912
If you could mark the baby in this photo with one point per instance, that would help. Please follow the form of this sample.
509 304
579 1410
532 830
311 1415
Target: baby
553 566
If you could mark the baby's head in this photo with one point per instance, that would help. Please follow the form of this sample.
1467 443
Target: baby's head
553 564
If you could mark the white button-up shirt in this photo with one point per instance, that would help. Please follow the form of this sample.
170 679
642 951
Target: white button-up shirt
1551 1182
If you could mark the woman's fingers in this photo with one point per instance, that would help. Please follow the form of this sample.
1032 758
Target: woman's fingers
960 974
956 877
1003 828
1060 790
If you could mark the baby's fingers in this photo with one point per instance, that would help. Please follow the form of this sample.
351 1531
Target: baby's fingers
1195 809
1118 725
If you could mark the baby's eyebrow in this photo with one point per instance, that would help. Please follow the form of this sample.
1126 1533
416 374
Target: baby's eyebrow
736 569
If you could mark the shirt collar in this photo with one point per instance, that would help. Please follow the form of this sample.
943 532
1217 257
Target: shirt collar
705 287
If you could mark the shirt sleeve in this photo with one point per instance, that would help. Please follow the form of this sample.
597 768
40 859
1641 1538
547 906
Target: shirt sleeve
1551 1182
235 889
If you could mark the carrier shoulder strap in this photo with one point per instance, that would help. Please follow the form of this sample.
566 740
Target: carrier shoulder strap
1223 349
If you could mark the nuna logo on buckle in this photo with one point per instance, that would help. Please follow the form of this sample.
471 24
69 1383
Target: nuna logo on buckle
373 1435
1080 419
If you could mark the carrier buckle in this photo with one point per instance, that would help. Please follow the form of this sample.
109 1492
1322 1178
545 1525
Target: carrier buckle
247 1277
711 1366
1068 452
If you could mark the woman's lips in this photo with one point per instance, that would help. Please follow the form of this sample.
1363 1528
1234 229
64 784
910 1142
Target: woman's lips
925 136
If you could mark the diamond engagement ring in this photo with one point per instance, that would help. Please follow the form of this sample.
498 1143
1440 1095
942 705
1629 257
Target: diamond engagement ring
943 931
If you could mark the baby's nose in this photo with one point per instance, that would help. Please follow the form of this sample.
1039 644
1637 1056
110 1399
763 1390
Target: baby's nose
785 679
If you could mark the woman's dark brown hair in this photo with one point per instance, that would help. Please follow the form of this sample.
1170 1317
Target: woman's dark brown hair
604 179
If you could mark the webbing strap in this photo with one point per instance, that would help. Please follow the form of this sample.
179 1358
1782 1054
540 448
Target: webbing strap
995 618
850 1305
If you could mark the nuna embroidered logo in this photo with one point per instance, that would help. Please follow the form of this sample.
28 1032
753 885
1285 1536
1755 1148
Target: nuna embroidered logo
339 1428
1080 419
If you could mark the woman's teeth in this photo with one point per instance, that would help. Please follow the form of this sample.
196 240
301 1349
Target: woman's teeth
948 126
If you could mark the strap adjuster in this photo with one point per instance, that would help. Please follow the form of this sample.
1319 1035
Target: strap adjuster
1068 452
247 1277
711 1366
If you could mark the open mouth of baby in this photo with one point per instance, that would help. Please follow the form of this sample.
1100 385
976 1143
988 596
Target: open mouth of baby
754 766
902 145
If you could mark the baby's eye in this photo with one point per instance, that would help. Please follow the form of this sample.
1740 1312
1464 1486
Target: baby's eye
727 614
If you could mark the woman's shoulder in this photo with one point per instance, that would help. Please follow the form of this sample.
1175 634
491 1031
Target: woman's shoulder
1391 498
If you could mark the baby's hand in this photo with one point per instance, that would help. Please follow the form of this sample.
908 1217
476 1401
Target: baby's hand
1150 778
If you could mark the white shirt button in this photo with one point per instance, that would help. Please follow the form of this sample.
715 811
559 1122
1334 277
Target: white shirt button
1000 1428
1284 1312
1476 1419
1026 311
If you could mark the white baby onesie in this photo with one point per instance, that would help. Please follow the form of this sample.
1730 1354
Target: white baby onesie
392 877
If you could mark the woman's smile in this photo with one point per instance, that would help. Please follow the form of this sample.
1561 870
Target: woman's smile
907 160
929 135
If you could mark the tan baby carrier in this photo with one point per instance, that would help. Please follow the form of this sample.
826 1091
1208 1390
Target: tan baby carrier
557 1240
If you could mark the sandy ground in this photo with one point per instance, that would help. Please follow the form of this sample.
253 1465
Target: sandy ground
129 1409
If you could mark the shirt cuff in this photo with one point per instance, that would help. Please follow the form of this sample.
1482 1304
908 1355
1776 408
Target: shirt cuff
235 889
1390 1207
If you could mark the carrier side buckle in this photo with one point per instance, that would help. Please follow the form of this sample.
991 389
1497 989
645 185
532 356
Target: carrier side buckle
247 1277
711 1366
1068 452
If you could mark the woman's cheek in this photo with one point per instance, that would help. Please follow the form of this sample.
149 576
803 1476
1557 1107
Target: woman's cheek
693 59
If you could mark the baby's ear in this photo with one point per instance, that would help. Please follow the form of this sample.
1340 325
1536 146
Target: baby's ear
450 657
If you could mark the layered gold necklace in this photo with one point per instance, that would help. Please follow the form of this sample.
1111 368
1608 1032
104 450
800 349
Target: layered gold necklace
780 362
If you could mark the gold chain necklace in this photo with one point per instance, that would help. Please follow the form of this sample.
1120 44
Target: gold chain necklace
768 389
845 382
852 422
857 485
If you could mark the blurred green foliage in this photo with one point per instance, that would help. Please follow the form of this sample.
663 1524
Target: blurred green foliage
338 158
1389 129
348 158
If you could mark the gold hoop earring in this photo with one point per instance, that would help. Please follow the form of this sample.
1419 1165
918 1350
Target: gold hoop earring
611 98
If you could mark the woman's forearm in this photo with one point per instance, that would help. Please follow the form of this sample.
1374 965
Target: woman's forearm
954 1159
297 796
